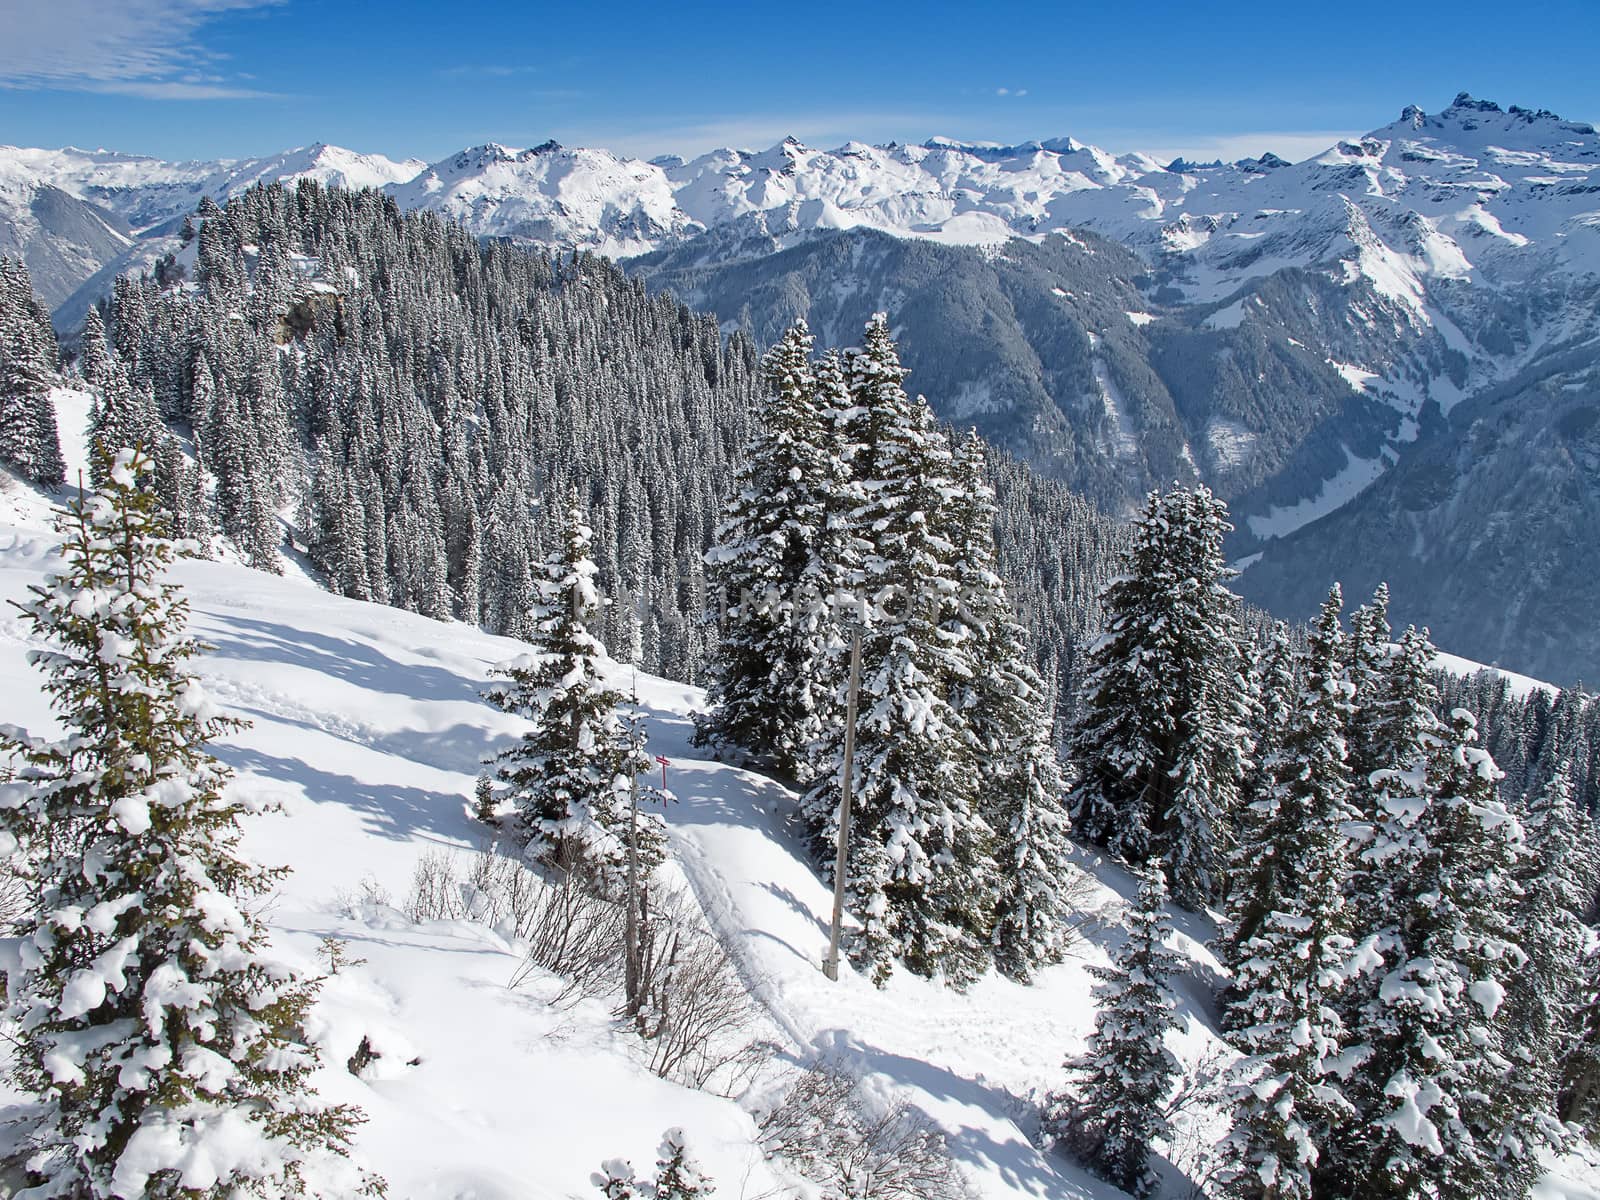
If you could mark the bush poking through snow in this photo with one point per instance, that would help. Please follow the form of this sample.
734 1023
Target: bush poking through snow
678 1175
828 1129
696 1016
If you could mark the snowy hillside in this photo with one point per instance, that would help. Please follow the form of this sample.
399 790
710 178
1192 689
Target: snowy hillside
368 729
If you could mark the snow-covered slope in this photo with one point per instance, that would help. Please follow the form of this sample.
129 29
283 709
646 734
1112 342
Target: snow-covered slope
366 726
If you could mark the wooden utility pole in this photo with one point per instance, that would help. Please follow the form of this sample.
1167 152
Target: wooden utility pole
630 977
830 968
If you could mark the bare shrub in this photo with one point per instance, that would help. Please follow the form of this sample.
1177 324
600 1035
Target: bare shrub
435 889
827 1129
571 932
1205 1090
695 1011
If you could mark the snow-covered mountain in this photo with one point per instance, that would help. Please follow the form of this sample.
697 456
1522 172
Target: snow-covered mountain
69 213
1472 189
1292 334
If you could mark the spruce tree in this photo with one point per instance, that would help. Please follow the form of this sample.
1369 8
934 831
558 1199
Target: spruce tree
1580 1082
1003 704
921 873
1116 1110
569 776
1556 879
678 1175
1291 950
1444 1109
1273 693
162 1046
29 443
1159 746
767 571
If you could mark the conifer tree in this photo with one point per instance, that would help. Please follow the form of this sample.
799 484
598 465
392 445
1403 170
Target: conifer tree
1159 745
616 1181
1368 655
1002 701
920 861
1124 1078
766 568
163 1047
1580 1090
1556 880
678 1175
1273 693
122 417
1291 949
29 443
1391 732
1444 1109
94 357
570 775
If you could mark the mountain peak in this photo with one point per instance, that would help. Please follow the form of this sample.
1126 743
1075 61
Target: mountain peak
1465 101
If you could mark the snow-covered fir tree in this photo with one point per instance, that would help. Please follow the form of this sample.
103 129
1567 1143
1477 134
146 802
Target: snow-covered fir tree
1004 705
122 417
678 1174
1116 1107
616 1181
921 871
1556 877
1291 951
1272 692
570 775
1390 733
1159 746
771 574
29 444
1579 1101
164 1048
1444 1110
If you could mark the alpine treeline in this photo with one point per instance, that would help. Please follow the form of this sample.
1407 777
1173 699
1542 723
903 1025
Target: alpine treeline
854 517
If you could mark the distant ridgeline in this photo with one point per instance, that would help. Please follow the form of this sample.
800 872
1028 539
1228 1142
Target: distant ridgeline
406 397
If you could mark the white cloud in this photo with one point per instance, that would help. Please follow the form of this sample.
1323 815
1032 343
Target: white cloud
144 48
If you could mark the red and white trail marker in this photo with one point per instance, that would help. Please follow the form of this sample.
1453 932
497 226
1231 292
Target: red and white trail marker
665 763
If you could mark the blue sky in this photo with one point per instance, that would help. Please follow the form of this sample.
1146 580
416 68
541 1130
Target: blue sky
210 78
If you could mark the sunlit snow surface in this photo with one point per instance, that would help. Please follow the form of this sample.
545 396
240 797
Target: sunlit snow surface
367 727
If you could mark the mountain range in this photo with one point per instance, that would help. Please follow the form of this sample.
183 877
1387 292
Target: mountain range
1386 357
